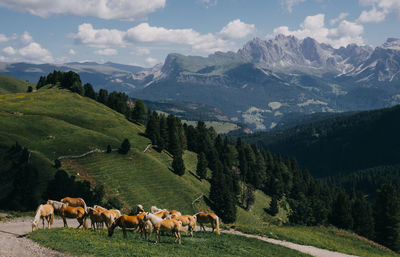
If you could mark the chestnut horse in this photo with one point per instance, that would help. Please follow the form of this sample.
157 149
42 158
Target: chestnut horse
187 220
44 212
95 218
164 225
75 202
125 222
74 212
211 218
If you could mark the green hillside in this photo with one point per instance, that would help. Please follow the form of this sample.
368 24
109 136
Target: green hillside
10 85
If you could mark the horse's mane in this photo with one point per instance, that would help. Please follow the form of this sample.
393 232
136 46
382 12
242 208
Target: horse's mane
37 215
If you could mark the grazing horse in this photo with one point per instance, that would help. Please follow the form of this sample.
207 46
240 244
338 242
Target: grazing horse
211 218
75 202
95 218
44 212
125 222
187 220
164 225
109 216
74 212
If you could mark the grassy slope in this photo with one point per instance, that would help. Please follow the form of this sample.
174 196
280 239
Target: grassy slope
322 237
203 244
10 85
221 127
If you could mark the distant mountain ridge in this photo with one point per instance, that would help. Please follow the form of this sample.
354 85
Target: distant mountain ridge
260 83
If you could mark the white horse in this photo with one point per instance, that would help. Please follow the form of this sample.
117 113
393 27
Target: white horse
56 204
154 209
44 211
160 224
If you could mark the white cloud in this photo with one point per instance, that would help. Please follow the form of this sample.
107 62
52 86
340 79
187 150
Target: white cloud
2 58
36 53
144 33
372 15
288 4
72 52
341 17
314 26
151 61
9 50
237 29
380 8
208 3
104 9
141 51
4 38
26 38
107 52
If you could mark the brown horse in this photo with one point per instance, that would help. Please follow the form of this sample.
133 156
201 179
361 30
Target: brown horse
136 222
70 212
95 218
164 225
211 218
75 202
44 212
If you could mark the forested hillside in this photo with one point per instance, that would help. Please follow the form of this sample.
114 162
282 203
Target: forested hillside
339 144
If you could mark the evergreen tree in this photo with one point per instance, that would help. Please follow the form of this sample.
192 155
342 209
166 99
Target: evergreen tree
103 96
363 223
139 112
153 128
30 89
177 165
125 147
174 145
387 218
201 168
341 211
164 139
89 91
273 207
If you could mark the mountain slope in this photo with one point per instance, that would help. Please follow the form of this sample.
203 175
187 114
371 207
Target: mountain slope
9 85
339 144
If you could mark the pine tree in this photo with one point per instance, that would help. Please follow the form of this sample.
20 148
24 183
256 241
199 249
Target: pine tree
341 211
363 223
103 96
89 91
177 165
387 218
163 141
153 128
139 113
125 147
201 168
273 207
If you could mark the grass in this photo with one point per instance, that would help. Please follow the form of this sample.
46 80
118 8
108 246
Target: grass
10 85
88 243
322 237
221 127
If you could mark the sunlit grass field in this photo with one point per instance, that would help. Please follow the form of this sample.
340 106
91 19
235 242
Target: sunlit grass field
89 243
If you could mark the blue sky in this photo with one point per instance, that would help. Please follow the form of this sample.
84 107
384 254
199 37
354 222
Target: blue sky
143 32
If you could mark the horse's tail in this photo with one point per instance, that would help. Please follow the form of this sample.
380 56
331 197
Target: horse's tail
84 205
217 225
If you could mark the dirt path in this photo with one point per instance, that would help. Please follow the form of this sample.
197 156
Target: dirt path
14 244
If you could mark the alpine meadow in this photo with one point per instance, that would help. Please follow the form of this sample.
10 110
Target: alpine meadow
200 128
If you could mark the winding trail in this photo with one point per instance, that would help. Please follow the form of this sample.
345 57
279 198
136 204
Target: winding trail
13 242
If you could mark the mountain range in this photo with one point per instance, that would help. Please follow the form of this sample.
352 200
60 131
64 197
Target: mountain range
260 83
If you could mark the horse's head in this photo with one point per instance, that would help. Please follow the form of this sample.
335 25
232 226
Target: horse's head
110 231
34 225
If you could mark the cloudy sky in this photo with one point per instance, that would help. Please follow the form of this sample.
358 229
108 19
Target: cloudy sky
143 32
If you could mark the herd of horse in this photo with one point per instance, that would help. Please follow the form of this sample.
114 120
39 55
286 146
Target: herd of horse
157 220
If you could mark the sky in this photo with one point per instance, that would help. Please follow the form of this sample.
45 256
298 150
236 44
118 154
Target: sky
144 32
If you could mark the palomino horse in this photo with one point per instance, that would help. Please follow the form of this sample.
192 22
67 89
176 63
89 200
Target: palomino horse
162 214
44 212
99 208
95 218
174 213
75 202
125 222
187 220
164 225
211 218
109 216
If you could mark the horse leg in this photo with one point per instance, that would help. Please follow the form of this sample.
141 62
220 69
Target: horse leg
65 222
80 222
202 226
124 231
43 221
